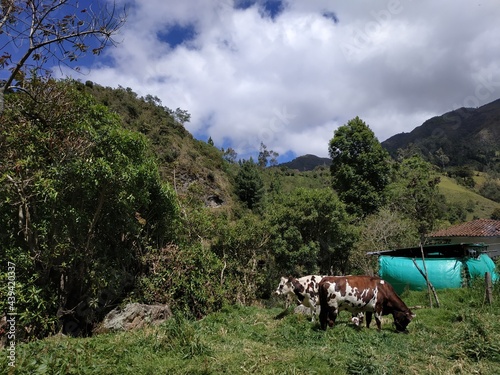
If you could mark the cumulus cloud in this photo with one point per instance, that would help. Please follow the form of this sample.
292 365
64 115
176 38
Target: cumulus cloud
288 73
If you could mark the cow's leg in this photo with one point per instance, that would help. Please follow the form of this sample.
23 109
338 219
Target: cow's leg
378 317
313 313
317 309
323 318
332 316
368 317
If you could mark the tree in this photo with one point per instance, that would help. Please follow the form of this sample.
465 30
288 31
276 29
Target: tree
415 193
360 167
81 201
249 183
384 230
442 158
38 32
267 156
310 232
229 155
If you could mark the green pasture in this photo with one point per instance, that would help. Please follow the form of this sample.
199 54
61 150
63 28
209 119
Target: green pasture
460 337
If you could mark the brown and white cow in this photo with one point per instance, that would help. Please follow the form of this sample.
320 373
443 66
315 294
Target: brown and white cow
304 290
356 294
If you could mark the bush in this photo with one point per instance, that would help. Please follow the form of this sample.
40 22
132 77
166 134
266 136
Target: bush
187 278
491 190
81 197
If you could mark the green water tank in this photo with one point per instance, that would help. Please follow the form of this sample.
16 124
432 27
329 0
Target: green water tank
443 273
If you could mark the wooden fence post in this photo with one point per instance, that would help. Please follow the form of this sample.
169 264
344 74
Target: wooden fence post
489 288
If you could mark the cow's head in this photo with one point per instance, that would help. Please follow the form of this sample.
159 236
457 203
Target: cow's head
284 287
402 319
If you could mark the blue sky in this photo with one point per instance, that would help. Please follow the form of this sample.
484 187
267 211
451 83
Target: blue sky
288 73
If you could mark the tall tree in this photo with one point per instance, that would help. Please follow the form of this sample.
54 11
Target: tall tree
249 183
267 156
361 168
38 32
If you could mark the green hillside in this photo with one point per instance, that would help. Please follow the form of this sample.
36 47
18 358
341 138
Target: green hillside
477 206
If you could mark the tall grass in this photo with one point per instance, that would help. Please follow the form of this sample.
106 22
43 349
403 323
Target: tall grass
461 337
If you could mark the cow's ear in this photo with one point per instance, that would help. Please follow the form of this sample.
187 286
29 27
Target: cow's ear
290 278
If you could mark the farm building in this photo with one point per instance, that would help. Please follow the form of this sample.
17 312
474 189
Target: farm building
477 231
447 265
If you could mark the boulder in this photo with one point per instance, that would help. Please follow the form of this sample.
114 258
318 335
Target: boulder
134 316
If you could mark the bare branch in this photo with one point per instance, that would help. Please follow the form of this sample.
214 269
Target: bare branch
53 30
7 13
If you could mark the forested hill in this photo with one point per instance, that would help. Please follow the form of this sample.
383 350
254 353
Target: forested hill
307 162
463 137
191 166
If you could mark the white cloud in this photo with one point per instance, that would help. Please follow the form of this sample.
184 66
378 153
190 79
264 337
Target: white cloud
292 80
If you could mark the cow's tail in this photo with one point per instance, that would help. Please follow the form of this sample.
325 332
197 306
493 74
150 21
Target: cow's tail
323 303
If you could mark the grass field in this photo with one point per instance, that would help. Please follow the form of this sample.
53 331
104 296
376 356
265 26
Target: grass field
456 193
461 337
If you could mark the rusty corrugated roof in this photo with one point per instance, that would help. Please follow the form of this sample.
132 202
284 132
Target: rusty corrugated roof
475 228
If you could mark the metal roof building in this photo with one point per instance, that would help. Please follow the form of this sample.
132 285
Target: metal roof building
484 231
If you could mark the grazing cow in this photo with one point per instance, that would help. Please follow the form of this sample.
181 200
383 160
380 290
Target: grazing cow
305 289
371 295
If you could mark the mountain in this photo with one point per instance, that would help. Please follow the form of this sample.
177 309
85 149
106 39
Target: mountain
463 137
307 162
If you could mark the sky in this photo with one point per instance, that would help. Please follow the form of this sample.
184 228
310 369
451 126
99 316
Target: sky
288 73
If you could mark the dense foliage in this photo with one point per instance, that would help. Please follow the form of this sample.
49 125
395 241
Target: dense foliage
249 184
310 232
81 200
360 167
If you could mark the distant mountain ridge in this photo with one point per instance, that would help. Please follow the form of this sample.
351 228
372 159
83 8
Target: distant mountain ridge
307 162
462 137
465 136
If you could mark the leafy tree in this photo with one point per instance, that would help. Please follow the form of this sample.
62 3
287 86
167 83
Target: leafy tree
310 232
442 158
229 155
360 168
249 183
415 193
38 32
81 200
267 156
491 190
210 141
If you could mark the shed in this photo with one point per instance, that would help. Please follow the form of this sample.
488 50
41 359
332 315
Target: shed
485 231
448 265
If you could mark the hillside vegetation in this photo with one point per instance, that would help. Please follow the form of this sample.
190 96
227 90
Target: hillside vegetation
475 204
463 137
107 199
461 337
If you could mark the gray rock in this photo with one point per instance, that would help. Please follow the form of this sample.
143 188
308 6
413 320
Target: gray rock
134 316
